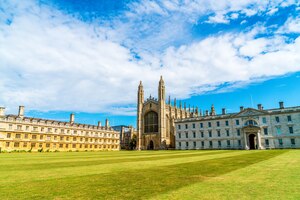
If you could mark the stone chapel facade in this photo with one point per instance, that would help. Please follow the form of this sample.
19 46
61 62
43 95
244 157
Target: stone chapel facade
155 119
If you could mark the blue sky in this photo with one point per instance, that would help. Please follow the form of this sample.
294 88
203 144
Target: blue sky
87 57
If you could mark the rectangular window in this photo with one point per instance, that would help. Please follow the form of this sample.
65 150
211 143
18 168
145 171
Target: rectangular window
27 128
202 143
278 130
8 135
194 134
187 135
73 145
291 130
209 124
7 144
179 135
293 141
237 122
179 143
239 142
187 144
10 127
26 136
210 144
218 123
41 137
42 129
227 133
209 133
33 137
264 120
228 142
238 132
61 145
267 142
219 133
226 123
62 131
35 128
289 118
25 144
48 137
201 125
179 127
17 144
32 145
18 136
194 126
202 134
277 119
266 131
195 144
219 143
280 142
49 129
186 126
47 145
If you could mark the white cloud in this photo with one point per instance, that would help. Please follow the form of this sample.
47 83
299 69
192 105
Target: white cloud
272 11
51 61
292 25
218 18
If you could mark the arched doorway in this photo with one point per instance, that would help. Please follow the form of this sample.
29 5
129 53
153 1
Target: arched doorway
252 143
151 145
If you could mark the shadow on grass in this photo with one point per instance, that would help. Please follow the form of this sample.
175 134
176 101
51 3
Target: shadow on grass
139 184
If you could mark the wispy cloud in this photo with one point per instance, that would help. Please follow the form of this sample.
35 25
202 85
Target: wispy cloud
53 61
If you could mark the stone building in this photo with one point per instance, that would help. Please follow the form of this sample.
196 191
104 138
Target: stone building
155 119
18 132
248 129
127 133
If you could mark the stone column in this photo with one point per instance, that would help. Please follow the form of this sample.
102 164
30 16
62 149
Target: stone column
258 140
245 141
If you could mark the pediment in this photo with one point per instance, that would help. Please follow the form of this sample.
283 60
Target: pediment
250 112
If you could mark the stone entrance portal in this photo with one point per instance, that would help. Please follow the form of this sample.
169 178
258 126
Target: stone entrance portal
252 138
252 141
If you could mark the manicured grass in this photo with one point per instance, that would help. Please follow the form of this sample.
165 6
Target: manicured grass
273 174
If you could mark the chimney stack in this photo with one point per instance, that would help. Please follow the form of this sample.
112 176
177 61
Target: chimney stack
21 111
99 124
241 108
72 118
223 111
2 111
281 105
259 107
106 123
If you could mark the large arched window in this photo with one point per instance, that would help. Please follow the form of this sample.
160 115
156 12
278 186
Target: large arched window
151 122
251 123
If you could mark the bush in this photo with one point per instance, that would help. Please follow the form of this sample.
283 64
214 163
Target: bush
40 150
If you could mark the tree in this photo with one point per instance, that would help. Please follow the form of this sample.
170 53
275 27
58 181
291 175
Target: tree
132 144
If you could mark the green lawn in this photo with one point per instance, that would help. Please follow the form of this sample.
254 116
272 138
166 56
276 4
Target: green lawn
272 174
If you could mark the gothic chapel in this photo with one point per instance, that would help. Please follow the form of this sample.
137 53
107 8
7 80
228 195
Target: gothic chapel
155 119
